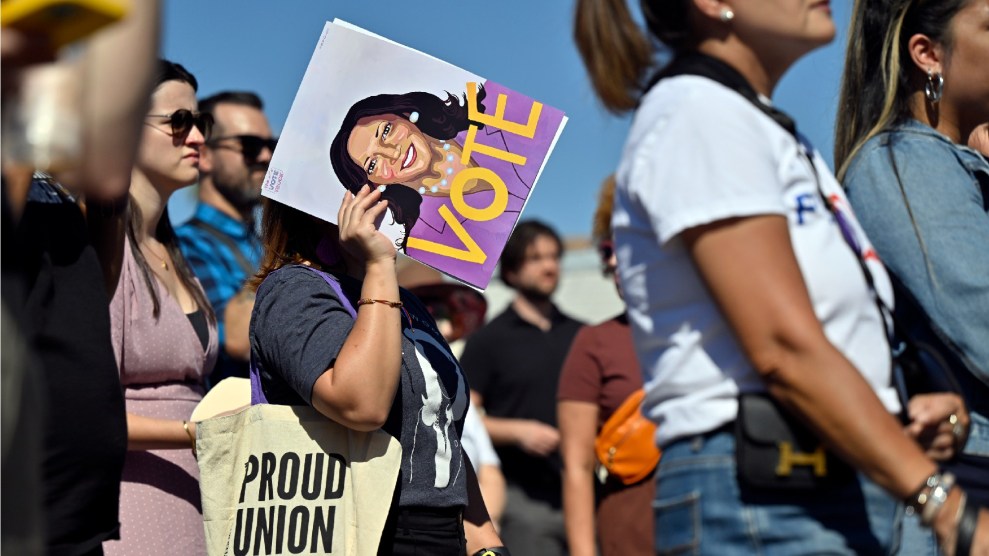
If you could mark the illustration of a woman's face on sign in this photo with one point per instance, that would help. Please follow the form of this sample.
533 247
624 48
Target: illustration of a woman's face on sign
408 143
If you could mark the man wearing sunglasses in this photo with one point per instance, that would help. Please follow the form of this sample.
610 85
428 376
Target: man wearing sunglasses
220 240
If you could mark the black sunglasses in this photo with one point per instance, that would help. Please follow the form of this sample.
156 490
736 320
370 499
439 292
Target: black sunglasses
182 121
606 250
250 145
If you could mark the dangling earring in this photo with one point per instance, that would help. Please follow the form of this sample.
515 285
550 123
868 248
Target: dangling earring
934 86
727 15
414 117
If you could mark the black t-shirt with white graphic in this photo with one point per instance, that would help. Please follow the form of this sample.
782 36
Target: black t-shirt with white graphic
297 329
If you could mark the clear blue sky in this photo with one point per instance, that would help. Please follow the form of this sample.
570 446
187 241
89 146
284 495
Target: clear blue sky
526 45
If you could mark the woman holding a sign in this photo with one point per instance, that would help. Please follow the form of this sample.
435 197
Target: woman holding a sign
752 294
386 367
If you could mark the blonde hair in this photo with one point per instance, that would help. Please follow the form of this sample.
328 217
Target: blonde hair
869 104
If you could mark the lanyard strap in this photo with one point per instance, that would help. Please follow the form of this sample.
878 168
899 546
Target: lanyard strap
899 343
702 65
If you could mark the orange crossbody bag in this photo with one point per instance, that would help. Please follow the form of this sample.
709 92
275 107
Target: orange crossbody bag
626 446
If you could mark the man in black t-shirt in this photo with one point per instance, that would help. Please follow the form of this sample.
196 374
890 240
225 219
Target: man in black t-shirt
513 365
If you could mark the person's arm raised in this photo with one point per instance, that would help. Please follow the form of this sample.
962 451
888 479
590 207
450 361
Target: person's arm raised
117 73
359 389
749 266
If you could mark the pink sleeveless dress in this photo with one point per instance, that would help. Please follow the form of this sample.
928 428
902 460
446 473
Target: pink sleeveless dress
162 367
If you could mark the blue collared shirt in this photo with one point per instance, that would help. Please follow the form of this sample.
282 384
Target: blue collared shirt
219 269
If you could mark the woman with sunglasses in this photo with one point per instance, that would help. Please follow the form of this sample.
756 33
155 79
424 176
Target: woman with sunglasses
599 374
164 333
752 296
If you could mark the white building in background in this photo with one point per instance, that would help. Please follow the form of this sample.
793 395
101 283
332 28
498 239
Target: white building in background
584 293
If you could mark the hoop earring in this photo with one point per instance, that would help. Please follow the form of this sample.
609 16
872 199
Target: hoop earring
414 117
727 15
934 86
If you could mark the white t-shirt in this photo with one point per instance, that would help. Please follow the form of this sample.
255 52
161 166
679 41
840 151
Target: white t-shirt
476 441
697 153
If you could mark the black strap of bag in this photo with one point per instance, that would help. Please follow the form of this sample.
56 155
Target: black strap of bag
765 433
927 364
773 449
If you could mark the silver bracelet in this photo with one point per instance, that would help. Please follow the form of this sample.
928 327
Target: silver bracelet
931 496
916 502
936 498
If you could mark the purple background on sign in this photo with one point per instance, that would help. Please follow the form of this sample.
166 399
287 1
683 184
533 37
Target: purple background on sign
519 179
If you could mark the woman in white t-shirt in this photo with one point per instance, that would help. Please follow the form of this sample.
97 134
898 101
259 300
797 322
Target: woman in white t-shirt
746 273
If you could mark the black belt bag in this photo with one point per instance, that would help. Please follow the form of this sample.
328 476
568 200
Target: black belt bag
774 450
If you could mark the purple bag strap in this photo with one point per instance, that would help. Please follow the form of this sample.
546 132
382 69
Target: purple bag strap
257 394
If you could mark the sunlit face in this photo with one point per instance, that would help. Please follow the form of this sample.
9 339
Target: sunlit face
390 148
783 29
232 173
169 161
966 69
540 271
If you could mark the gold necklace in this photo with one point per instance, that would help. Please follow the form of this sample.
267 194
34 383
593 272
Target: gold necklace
164 263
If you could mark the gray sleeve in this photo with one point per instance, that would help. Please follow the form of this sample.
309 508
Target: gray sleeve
300 326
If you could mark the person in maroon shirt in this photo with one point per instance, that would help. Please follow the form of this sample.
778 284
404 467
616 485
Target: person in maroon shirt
600 372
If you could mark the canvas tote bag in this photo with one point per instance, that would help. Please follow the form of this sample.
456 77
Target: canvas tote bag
281 479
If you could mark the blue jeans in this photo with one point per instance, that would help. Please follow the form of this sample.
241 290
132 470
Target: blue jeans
700 508
978 436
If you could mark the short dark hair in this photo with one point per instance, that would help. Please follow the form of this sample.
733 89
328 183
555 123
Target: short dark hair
525 234
171 71
241 98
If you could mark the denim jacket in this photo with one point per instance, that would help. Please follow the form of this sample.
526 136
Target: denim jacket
941 253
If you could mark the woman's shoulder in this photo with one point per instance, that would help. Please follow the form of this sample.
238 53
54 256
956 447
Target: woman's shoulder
909 150
294 281
690 114
698 98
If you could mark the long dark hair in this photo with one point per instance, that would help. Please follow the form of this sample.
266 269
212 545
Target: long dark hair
879 77
289 236
438 118
164 233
